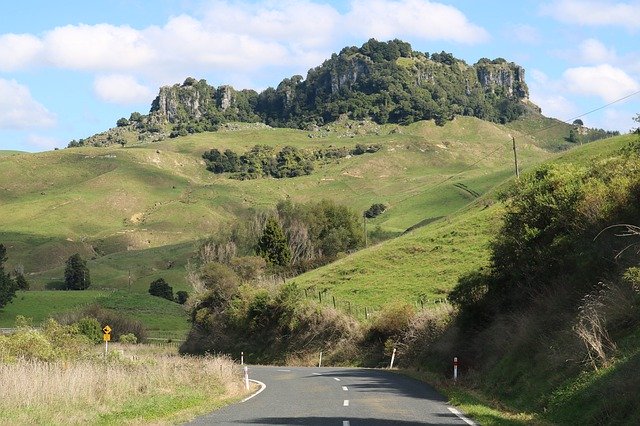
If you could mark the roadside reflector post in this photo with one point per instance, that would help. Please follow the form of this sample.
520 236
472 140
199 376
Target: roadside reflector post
246 377
455 368
393 358
241 358
320 361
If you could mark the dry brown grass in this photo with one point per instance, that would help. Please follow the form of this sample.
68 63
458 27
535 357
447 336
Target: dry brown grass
134 385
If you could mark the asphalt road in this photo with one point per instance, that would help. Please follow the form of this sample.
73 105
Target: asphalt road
335 396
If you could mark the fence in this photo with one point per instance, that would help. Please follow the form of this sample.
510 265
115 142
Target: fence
362 311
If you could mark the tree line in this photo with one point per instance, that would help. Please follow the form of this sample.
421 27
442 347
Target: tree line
265 161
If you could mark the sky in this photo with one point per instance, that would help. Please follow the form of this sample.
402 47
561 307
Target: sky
71 69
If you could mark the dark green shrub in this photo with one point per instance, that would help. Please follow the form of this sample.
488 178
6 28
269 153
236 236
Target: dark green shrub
181 297
160 288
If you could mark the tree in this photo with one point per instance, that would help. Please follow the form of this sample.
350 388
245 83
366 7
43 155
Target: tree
76 273
160 288
220 280
578 122
272 245
7 285
181 297
122 122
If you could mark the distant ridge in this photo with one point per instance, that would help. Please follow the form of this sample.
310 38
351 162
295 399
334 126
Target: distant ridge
387 82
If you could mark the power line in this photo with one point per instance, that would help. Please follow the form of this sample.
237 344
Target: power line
530 134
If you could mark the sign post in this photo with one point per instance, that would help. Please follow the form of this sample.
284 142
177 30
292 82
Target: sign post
106 337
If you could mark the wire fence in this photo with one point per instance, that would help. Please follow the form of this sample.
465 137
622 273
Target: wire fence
361 311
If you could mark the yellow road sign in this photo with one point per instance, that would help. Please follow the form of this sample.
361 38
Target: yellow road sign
106 337
106 329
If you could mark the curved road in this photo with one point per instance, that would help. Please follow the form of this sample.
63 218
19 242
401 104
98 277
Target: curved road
336 396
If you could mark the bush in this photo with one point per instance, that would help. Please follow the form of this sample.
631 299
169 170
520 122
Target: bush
181 297
160 288
90 327
119 323
129 338
220 280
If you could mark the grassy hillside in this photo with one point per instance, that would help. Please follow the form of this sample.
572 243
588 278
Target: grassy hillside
138 212
427 262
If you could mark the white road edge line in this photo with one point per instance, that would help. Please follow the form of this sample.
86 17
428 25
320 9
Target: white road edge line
284 371
262 387
345 423
317 374
462 417
346 403
344 388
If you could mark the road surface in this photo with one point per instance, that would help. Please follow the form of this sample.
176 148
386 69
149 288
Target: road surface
336 396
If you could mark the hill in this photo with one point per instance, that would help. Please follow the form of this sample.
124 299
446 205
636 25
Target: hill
387 82
125 208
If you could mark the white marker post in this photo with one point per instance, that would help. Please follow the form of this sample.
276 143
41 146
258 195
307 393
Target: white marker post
246 377
455 368
241 358
320 362
393 358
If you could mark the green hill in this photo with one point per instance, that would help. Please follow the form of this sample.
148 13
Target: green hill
140 211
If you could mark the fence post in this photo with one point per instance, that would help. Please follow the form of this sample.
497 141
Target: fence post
246 377
320 361
241 358
320 296
334 301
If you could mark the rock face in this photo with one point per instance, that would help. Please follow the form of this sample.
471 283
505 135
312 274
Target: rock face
387 82
507 76
177 103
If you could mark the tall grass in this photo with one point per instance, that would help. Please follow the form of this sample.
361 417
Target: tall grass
135 384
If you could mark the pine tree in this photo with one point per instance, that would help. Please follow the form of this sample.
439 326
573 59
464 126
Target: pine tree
7 285
76 273
273 246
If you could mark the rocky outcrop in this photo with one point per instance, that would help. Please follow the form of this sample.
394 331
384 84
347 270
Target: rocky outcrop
500 74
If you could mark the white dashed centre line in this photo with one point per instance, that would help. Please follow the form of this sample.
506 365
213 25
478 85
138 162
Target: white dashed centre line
345 423
344 388
317 374
346 403
336 379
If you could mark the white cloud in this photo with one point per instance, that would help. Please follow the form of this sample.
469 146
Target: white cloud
234 37
593 51
608 82
98 47
524 33
42 142
595 12
18 51
386 19
121 89
300 23
18 110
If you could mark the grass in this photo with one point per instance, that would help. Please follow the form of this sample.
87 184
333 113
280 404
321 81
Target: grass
135 384
39 305
162 318
422 265
473 404
139 212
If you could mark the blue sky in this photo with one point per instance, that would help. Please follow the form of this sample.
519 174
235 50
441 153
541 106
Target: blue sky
71 69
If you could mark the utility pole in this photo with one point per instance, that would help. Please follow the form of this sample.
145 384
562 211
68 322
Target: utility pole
515 156
364 221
